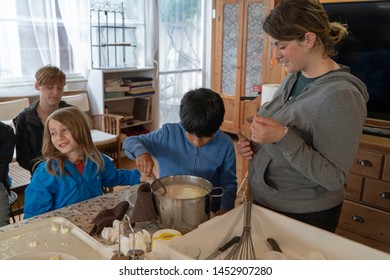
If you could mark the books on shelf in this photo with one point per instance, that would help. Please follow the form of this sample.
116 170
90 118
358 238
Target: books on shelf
145 83
141 90
108 95
128 87
116 88
137 81
138 85
141 109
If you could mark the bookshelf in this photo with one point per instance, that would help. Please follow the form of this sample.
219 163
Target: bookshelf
138 109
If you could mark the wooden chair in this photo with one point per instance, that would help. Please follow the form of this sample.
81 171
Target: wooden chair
105 128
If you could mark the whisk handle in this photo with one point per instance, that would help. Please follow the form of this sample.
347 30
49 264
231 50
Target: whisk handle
247 213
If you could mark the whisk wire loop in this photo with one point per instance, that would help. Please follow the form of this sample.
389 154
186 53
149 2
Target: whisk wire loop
244 249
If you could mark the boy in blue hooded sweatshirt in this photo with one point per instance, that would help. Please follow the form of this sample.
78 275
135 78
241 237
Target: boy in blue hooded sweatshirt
194 146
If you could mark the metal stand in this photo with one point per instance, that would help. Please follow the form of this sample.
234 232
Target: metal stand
113 42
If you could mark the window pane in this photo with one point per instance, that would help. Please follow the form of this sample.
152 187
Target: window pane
180 34
38 38
56 32
181 45
172 88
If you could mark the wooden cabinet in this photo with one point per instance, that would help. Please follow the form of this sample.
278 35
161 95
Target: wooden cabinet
142 107
241 55
365 217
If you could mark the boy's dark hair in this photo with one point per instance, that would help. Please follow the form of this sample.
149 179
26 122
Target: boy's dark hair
201 112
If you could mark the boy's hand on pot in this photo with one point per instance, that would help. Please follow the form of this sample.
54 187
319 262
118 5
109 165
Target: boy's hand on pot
147 178
145 164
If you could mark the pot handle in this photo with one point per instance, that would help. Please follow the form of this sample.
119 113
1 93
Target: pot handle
217 195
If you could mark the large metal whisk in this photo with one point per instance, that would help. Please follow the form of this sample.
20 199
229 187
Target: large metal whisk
132 231
244 249
119 255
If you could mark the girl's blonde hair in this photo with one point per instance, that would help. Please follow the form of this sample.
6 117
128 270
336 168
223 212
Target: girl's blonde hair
292 19
74 119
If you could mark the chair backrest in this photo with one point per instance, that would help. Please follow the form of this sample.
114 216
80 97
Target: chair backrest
10 109
78 100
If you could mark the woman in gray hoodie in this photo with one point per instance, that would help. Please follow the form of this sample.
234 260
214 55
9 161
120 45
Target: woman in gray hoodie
303 142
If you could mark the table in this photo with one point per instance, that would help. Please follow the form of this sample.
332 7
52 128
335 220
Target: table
81 214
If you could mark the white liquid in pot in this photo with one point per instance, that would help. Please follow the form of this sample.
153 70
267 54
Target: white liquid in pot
182 191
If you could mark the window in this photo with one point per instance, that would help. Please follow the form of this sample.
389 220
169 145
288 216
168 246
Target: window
56 32
36 35
181 53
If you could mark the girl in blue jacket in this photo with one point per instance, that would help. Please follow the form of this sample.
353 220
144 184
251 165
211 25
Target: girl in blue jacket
73 169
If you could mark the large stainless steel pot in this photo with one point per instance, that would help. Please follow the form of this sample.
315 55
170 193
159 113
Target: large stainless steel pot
182 214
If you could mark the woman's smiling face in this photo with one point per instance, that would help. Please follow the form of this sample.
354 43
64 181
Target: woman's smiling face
292 54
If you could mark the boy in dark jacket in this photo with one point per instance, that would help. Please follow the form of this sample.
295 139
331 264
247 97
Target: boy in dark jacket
50 82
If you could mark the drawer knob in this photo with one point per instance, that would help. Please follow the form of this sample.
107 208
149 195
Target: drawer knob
385 195
365 163
358 219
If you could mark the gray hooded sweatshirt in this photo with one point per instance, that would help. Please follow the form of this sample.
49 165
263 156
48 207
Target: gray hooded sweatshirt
306 170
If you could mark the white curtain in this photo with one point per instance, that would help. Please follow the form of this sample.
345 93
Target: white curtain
10 65
151 33
44 23
30 36
75 16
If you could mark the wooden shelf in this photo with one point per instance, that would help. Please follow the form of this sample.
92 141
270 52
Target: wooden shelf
135 123
142 107
127 97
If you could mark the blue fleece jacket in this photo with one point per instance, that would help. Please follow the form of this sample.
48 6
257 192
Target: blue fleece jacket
215 161
47 192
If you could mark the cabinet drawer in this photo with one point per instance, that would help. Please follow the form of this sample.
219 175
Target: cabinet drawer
377 193
386 169
353 186
368 164
363 240
366 221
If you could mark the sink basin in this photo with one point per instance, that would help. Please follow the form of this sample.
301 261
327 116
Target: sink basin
52 238
49 255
